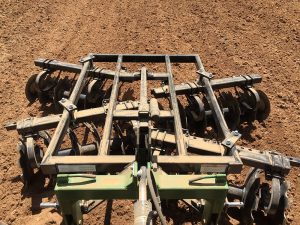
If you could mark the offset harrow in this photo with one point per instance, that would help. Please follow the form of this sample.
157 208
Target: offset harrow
103 148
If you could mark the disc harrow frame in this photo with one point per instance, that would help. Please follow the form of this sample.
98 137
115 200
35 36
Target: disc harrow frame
196 170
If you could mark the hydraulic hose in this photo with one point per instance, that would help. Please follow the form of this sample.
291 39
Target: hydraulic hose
154 198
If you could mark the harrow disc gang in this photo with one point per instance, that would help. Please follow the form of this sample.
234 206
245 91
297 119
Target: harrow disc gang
147 150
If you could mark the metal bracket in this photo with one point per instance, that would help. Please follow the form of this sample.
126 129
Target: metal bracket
205 74
67 104
87 58
232 139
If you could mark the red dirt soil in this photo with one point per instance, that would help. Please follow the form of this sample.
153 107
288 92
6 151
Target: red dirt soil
231 37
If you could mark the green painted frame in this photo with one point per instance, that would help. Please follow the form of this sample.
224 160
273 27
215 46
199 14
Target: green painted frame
72 188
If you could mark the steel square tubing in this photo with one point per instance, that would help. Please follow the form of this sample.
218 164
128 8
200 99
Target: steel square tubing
155 58
63 124
104 145
152 58
143 111
109 74
201 145
181 164
217 112
181 148
34 124
84 163
199 164
143 107
193 87
116 163
135 115
123 112
269 161
212 100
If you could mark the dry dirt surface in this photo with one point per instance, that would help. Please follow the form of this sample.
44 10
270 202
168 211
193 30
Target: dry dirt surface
232 37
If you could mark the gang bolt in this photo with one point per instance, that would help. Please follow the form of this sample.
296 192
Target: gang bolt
228 142
70 107
236 133
139 173
63 100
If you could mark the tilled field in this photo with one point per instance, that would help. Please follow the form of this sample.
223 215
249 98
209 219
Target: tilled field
231 37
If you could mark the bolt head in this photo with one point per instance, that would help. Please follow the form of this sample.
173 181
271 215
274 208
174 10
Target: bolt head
236 133
139 173
228 142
